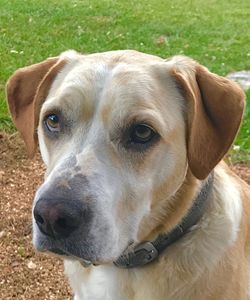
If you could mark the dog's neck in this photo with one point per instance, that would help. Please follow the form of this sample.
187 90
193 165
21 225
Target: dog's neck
169 211
146 252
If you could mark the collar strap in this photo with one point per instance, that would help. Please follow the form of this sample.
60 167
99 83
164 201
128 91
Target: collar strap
147 252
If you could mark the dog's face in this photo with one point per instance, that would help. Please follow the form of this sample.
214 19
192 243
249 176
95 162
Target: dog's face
117 132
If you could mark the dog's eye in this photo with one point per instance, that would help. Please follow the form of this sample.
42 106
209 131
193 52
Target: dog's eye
52 123
141 134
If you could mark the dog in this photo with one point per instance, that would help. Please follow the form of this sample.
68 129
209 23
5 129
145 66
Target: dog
136 197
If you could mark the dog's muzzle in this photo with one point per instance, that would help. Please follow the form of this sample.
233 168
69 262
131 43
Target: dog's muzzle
63 216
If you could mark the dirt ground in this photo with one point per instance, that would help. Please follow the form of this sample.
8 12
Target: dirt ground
25 274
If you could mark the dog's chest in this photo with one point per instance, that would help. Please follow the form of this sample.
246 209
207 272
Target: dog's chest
95 283
110 283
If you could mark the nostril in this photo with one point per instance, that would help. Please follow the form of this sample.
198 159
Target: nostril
39 219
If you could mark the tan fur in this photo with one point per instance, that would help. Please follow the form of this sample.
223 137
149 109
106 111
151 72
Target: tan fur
213 103
21 90
172 212
229 279
197 115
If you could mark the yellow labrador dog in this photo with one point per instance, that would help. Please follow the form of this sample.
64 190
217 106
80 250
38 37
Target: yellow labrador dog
136 198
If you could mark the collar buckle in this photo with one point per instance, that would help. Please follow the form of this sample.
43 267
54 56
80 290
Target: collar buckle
146 252
142 255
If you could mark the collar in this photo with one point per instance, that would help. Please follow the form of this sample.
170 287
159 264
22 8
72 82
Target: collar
148 251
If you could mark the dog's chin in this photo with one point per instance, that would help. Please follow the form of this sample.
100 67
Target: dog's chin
64 254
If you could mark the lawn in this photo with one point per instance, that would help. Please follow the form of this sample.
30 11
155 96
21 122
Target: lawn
216 33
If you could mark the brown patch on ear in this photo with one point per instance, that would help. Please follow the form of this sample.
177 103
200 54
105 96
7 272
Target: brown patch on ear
215 108
26 87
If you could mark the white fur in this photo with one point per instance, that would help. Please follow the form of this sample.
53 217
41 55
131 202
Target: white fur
196 253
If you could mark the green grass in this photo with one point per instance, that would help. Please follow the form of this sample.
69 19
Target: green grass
242 150
216 33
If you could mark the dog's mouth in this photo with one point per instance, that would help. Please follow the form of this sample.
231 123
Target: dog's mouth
57 251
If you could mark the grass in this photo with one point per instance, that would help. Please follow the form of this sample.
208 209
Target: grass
216 33
241 149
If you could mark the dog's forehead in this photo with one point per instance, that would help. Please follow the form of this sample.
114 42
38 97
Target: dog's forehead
113 86
93 68
125 56
91 77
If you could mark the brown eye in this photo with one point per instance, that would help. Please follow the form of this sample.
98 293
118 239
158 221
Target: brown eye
141 134
52 123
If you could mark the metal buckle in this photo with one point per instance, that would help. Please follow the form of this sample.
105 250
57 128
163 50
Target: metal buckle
142 254
145 253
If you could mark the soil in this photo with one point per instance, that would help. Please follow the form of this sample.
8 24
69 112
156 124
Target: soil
25 274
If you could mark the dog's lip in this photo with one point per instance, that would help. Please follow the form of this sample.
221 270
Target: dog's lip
60 252
64 254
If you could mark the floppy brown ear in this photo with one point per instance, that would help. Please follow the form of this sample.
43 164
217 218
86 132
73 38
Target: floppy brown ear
25 88
215 108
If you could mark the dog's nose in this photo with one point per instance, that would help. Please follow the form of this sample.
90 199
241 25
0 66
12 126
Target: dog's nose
58 218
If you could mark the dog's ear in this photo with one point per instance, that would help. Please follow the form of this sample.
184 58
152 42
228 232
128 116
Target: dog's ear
215 107
26 89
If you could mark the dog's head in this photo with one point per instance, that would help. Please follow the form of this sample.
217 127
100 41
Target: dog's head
115 129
